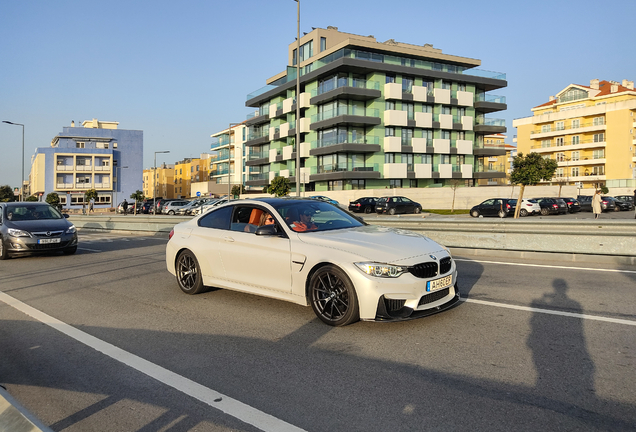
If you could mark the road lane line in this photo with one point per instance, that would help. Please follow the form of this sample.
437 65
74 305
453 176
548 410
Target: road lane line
90 250
227 405
551 312
546 266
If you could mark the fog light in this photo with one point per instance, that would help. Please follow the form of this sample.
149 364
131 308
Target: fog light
16 245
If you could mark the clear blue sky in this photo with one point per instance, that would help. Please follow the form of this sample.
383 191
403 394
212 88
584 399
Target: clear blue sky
181 71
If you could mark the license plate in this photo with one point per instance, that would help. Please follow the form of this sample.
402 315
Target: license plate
436 284
51 240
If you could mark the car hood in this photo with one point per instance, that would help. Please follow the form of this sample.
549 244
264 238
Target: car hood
377 243
40 225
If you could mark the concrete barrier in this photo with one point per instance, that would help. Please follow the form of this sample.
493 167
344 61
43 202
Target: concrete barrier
609 237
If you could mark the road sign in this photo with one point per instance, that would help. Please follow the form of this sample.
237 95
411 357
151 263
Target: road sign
198 193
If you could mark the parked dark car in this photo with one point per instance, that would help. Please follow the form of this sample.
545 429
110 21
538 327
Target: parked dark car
628 198
620 204
573 204
586 203
363 205
493 207
145 207
34 227
552 206
397 204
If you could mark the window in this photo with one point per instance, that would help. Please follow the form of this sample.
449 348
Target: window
410 110
334 185
389 157
395 183
444 159
323 44
218 219
599 121
461 112
560 126
559 172
427 159
358 184
445 134
390 78
80 145
413 183
389 105
407 137
559 142
546 128
560 157
446 110
461 135
306 51
575 156
407 84
461 87
389 131
599 137
294 57
446 85
575 172
598 154
598 170
576 139
576 124
546 143
408 159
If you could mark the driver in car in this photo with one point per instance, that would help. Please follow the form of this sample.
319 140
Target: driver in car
305 223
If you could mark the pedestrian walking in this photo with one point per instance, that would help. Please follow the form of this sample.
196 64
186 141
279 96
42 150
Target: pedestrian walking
83 207
90 207
124 206
596 204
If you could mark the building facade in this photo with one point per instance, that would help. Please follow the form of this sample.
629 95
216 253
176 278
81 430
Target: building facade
229 149
160 180
589 131
188 171
374 115
97 156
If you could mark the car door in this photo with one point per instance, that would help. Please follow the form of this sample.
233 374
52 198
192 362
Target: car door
487 207
204 242
255 262
408 205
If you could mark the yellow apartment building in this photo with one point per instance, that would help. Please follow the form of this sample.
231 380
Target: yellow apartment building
186 172
496 163
164 181
589 131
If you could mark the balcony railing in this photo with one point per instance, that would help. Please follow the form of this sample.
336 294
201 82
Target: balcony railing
258 176
488 169
569 143
65 168
258 134
490 98
83 168
253 155
490 122
349 110
333 84
551 128
345 139
345 166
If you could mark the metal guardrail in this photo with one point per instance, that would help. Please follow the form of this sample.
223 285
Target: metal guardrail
584 237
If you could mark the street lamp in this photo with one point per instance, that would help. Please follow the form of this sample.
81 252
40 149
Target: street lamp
154 182
22 160
298 99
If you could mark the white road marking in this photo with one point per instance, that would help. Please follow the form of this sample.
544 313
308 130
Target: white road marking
229 406
547 266
90 250
552 312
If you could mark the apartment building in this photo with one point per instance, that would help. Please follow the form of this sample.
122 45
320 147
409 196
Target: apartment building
228 146
160 180
589 131
188 171
374 115
98 155
496 164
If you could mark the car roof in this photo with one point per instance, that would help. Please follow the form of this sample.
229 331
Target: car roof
22 203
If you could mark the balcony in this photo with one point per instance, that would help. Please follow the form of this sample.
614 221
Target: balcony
489 125
568 145
355 144
83 168
487 103
490 171
550 130
64 167
351 88
350 115
258 137
343 172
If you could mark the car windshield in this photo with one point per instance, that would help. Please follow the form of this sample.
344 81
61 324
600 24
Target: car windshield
29 212
312 216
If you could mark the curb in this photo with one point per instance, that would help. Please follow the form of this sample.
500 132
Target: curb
15 418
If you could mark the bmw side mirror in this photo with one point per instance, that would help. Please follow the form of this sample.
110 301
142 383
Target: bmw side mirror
65 215
267 230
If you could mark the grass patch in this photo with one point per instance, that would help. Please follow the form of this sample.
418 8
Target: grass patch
447 212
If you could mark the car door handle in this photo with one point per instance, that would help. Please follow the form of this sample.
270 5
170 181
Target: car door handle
228 239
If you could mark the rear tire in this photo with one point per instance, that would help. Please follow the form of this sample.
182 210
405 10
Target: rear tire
367 210
617 209
502 214
523 212
171 213
189 273
544 212
391 211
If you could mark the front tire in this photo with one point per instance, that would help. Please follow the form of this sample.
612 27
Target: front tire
4 254
333 297
189 273
474 213
418 210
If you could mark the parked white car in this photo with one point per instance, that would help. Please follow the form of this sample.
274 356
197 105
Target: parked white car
528 207
313 253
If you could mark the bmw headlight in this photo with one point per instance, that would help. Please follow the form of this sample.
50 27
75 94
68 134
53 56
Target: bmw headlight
18 233
70 230
381 270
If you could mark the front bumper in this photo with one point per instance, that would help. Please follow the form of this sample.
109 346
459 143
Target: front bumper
30 245
390 310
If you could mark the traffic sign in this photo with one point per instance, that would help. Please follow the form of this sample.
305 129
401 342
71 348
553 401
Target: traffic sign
198 193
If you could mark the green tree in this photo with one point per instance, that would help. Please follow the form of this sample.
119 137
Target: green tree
53 199
238 190
137 196
90 194
280 187
6 194
32 198
604 190
530 170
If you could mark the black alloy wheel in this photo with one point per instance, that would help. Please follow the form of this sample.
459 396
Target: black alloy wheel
3 250
189 273
367 209
333 297
544 211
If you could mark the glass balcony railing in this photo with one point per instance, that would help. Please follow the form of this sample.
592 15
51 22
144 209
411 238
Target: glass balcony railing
490 122
258 154
490 98
553 128
345 166
258 134
350 139
350 110
258 176
334 83
499 168
565 143
377 58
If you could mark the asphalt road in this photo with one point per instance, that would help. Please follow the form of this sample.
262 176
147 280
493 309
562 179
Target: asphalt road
105 341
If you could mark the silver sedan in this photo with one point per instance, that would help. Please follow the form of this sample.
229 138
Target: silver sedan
313 253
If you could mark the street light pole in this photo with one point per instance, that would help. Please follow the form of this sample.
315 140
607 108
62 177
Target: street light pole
154 183
298 99
21 161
